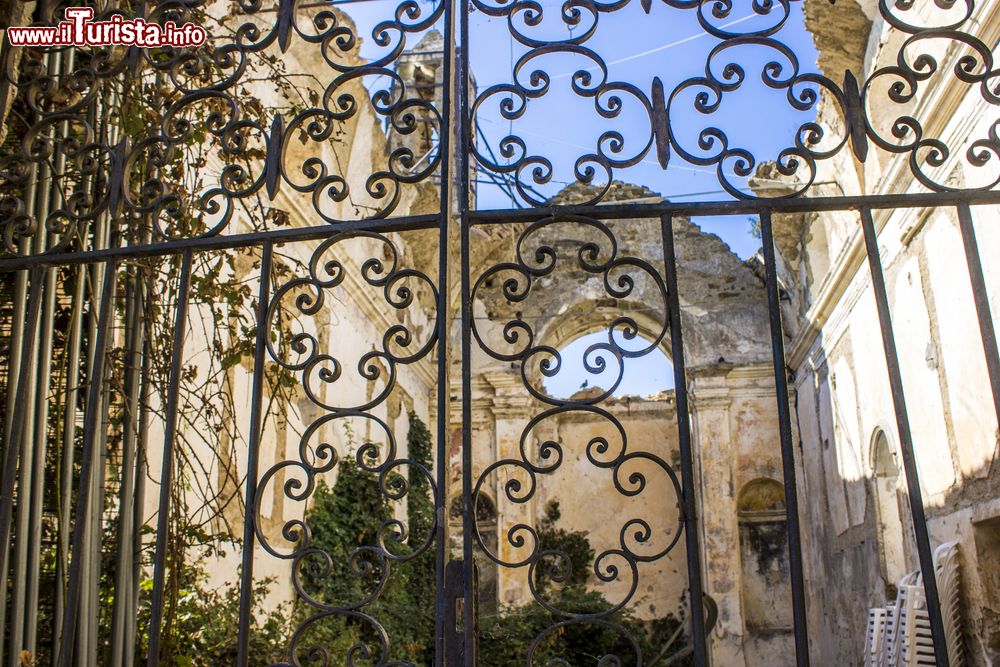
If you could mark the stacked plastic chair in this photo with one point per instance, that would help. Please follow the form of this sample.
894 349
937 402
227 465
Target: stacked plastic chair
899 635
875 640
947 560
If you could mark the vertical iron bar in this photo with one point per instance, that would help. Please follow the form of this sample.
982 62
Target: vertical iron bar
441 599
67 447
138 516
17 422
924 553
91 616
13 365
691 537
25 473
46 201
468 510
166 470
253 446
92 422
11 549
787 447
85 608
126 496
50 200
39 442
981 298
140 495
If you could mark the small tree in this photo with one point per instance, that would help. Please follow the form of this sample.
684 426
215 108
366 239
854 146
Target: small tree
345 520
562 582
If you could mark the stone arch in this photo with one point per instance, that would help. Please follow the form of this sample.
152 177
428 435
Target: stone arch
891 509
594 316
723 302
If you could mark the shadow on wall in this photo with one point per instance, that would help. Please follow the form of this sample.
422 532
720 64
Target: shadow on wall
856 563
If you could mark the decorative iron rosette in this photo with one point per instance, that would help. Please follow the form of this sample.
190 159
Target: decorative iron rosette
325 383
685 120
554 256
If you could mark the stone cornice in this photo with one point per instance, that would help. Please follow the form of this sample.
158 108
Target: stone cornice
509 399
726 384
939 107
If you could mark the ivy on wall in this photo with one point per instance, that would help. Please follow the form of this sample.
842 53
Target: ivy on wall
345 520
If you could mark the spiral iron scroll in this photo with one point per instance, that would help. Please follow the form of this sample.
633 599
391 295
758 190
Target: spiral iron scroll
129 170
321 374
725 73
515 340
135 169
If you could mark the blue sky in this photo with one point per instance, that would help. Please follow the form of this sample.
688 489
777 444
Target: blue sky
667 43
642 376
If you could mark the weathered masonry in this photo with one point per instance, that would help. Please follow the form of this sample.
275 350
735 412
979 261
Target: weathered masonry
415 332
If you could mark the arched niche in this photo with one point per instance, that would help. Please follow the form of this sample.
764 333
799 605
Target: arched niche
891 510
764 556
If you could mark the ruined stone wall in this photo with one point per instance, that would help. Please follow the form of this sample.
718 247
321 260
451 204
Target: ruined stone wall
736 440
735 436
586 493
733 419
858 528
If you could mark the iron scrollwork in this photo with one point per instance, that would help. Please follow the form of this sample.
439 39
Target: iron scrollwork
507 288
906 133
188 154
702 97
320 374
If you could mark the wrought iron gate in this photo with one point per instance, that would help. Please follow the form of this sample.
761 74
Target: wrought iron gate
143 187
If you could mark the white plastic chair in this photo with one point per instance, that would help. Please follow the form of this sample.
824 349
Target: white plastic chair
899 635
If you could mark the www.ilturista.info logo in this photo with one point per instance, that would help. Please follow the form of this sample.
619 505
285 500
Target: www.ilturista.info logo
79 29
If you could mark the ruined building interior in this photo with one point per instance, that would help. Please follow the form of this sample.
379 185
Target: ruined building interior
583 466
853 496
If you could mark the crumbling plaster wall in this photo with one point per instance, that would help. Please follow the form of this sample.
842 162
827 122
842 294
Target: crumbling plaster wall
950 414
735 430
841 384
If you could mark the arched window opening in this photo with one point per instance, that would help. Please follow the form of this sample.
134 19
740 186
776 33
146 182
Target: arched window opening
485 510
889 502
643 375
486 525
764 555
